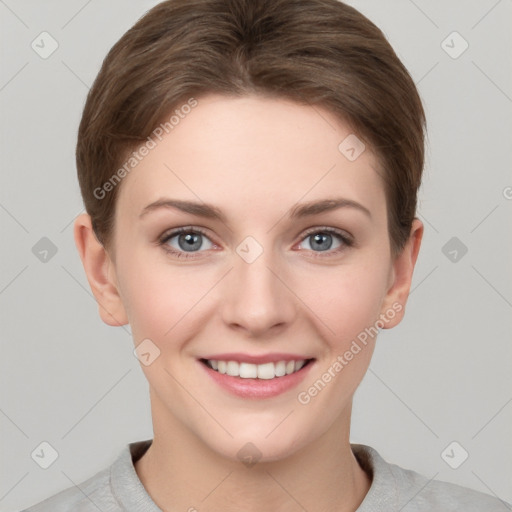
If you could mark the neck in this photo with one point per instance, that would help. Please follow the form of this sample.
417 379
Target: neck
180 472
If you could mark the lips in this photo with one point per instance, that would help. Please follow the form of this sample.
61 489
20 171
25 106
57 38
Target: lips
257 376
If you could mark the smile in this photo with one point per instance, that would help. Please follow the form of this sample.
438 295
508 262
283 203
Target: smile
264 371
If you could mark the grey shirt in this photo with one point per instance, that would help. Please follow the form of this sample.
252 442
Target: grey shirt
393 489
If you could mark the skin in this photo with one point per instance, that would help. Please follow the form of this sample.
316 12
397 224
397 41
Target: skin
254 158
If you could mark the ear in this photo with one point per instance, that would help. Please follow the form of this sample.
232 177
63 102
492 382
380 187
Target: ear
401 277
100 272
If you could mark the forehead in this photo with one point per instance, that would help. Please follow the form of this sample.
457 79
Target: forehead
251 153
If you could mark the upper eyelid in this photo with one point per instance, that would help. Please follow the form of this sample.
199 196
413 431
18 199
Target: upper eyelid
171 233
328 229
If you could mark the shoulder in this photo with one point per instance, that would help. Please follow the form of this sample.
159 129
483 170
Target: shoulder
91 495
396 488
423 494
116 488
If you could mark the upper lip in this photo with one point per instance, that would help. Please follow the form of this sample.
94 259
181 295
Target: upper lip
253 359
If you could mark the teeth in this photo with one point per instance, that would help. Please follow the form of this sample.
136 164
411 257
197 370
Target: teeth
280 369
232 369
260 371
299 365
248 371
266 371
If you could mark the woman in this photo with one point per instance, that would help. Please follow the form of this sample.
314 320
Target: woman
250 174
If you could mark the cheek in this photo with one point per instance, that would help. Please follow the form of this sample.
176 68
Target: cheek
158 297
345 300
346 303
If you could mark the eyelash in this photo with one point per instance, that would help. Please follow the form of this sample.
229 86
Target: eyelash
347 241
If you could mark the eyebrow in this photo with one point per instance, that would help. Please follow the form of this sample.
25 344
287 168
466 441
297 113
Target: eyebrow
299 211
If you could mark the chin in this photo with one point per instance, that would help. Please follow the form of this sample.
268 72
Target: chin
254 446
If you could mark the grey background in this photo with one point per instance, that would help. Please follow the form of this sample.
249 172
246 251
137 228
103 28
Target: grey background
442 375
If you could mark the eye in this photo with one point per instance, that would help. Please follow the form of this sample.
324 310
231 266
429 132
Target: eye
322 240
185 240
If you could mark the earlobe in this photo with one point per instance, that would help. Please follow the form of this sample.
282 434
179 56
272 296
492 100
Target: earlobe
100 273
402 272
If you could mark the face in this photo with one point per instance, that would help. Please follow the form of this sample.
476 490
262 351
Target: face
254 273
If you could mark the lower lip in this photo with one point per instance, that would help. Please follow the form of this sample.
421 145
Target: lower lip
258 388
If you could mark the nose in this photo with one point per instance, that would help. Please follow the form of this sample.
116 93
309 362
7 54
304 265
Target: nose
256 298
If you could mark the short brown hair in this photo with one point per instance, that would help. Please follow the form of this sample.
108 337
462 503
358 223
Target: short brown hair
318 52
